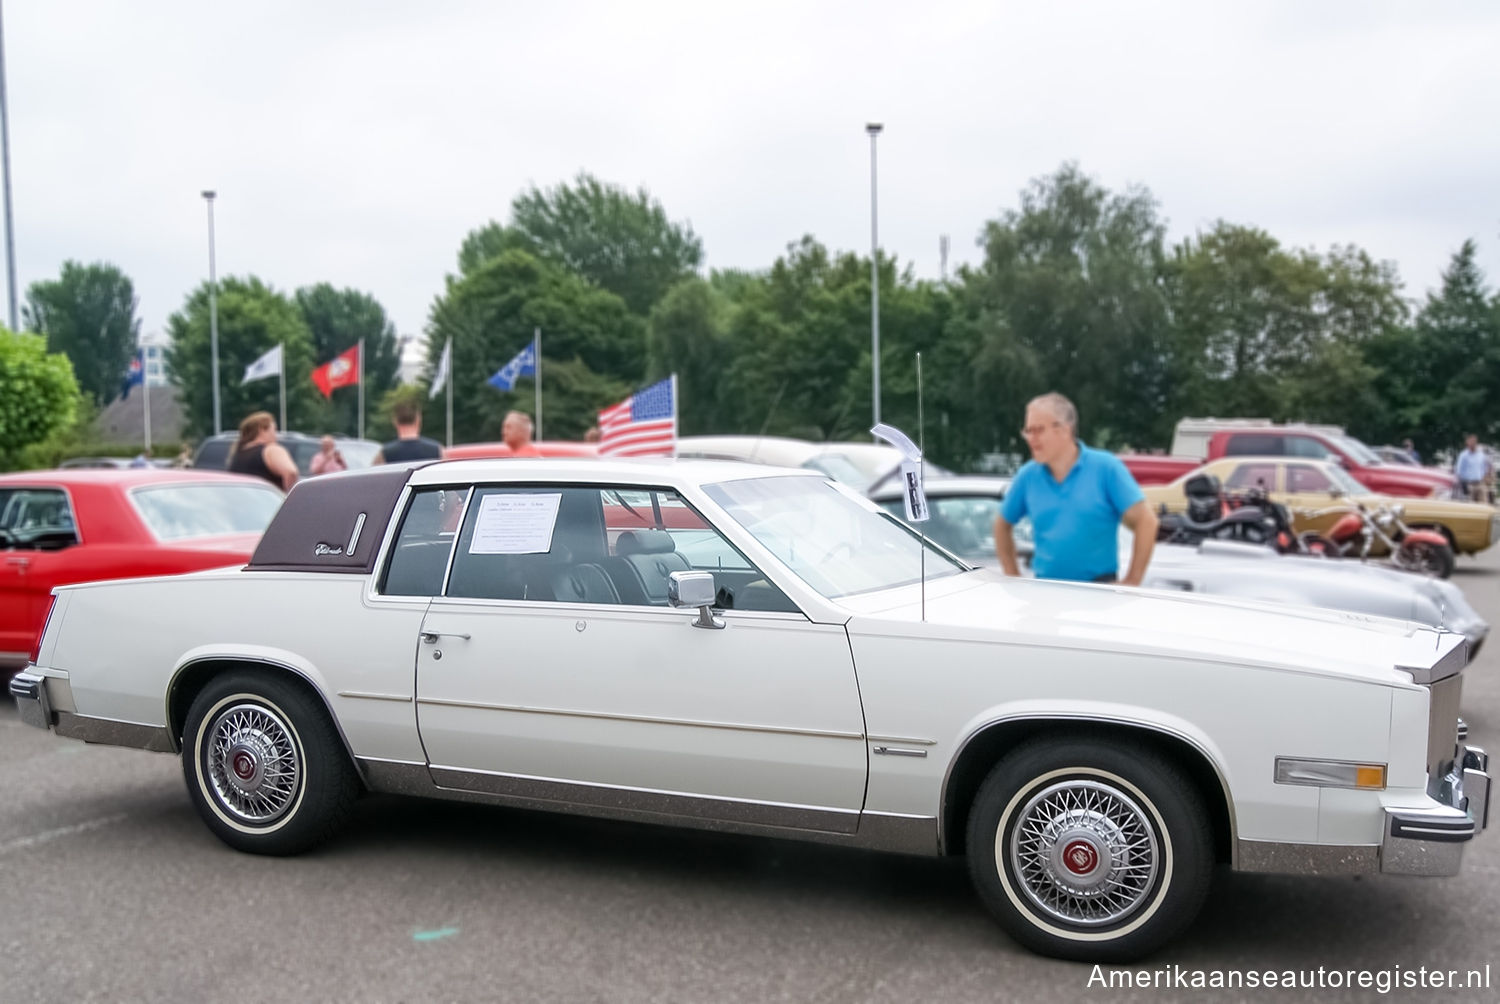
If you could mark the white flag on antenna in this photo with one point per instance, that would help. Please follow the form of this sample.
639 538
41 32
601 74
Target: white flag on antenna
911 471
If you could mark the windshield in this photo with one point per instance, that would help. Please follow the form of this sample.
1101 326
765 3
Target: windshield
835 540
184 511
1358 452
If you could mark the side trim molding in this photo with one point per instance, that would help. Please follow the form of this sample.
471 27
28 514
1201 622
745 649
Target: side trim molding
157 739
874 831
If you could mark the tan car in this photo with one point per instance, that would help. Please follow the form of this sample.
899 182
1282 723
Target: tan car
1313 491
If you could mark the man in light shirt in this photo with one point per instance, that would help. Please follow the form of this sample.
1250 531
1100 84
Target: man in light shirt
1473 470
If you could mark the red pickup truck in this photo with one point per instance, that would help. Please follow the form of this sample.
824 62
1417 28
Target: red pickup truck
1279 441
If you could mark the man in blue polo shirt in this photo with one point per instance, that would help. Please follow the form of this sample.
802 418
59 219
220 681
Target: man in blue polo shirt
1076 498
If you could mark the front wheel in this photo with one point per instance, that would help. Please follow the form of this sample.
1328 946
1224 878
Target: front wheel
264 766
1090 850
1426 557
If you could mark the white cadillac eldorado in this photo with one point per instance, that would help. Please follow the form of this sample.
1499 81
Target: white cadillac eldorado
741 648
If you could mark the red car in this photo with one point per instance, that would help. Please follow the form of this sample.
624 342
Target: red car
63 526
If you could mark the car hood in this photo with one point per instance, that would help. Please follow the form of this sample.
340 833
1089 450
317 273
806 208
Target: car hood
1415 477
986 606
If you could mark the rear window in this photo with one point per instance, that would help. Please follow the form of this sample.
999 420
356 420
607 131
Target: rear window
186 511
1254 444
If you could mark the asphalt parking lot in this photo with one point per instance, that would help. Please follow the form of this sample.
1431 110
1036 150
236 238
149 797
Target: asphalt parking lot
113 890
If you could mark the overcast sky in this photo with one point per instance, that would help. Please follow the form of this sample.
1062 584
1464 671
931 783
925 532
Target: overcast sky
358 143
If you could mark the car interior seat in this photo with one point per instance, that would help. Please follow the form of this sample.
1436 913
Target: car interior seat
646 560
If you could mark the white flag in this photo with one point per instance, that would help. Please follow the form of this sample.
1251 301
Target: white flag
440 377
266 366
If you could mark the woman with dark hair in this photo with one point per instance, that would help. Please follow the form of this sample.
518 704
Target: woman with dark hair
258 454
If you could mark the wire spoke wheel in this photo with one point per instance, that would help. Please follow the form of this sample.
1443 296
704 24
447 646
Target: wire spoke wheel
252 763
1097 849
1084 852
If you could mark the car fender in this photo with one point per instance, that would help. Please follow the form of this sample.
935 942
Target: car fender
1090 716
250 655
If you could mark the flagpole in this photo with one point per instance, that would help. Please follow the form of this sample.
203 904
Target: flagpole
674 414
536 347
361 389
281 359
448 351
146 401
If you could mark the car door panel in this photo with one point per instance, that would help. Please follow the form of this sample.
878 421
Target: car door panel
759 722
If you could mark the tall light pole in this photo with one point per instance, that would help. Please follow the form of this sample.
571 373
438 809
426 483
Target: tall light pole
213 310
10 244
873 128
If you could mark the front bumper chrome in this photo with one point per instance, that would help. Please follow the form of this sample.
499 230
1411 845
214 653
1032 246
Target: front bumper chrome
1430 840
30 692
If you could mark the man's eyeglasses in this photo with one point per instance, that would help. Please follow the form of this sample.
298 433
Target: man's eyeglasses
1036 430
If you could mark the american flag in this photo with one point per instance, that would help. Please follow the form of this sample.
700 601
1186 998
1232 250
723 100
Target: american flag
642 425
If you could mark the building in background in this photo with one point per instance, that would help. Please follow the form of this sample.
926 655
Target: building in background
155 343
412 351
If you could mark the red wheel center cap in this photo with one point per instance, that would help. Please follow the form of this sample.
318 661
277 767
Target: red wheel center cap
244 766
1080 857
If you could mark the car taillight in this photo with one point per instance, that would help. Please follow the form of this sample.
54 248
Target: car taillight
36 646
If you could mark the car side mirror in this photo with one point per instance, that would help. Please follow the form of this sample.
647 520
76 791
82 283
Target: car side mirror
695 589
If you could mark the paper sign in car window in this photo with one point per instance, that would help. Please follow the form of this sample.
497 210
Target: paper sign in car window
515 524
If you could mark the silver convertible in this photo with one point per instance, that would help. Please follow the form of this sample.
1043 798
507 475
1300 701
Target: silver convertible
962 516
734 647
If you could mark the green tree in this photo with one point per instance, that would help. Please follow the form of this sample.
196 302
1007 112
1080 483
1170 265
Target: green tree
39 395
88 314
688 335
593 349
1069 298
253 319
799 345
1266 332
1440 376
622 241
337 319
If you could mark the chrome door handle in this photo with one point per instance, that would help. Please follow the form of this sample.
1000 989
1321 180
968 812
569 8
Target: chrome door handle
18 562
431 637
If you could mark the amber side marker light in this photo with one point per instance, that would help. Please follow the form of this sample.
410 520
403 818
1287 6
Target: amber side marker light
1330 773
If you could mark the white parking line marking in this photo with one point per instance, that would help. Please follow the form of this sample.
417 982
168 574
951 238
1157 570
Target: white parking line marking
22 843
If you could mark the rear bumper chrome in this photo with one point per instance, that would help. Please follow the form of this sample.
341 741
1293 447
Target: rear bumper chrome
30 692
1430 840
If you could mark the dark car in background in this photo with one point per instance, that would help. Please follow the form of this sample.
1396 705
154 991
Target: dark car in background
213 452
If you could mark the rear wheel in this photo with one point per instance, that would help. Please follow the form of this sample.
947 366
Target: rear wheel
264 766
1090 850
1426 557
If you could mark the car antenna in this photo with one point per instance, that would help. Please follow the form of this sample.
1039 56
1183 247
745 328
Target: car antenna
767 423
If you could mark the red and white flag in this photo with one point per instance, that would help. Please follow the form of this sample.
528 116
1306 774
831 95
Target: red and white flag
642 425
340 371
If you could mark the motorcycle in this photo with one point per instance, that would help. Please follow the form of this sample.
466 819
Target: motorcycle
1359 529
1248 516
1210 516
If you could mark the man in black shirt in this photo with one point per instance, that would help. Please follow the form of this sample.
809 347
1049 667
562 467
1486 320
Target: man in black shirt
409 443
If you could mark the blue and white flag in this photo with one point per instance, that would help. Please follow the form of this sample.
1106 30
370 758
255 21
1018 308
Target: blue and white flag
268 365
135 373
524 364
